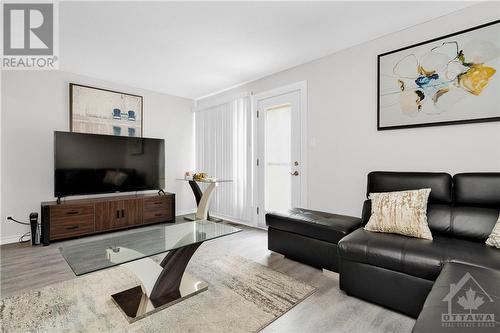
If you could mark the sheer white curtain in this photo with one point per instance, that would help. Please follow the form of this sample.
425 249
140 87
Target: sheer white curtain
223 151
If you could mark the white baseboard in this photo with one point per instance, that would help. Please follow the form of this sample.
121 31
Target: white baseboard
11 239
230 219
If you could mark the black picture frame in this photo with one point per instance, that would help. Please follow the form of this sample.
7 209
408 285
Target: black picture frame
430 124
71 100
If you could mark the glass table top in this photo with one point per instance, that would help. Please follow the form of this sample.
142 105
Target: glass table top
112 251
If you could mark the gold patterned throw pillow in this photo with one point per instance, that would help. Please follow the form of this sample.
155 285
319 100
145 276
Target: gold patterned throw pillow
403 212
494 239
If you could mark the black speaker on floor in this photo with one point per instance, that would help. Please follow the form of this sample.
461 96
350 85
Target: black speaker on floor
35 229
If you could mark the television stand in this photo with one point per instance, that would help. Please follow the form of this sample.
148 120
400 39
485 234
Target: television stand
81 217
160 192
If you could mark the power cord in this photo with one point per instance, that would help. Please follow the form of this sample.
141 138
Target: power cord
21 239
13 219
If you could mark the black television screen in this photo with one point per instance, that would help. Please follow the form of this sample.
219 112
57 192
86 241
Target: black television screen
92 164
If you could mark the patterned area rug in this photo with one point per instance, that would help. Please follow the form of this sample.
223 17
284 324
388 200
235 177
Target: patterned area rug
242 296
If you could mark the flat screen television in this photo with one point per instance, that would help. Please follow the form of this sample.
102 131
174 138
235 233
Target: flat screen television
93 164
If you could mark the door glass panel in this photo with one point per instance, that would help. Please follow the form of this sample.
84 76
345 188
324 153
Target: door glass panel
278 158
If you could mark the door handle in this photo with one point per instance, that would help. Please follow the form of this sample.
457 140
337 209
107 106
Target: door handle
117 214
295 173
123 212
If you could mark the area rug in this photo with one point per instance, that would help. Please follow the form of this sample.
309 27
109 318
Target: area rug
243 296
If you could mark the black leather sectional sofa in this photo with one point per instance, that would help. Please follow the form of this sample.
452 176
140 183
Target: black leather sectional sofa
399 272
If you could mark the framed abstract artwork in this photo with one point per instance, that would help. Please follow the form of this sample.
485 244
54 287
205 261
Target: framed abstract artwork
102 111
452 79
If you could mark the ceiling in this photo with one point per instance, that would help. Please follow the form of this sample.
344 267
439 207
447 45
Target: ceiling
192 49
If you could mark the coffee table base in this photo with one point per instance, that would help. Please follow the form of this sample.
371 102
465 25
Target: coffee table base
135 304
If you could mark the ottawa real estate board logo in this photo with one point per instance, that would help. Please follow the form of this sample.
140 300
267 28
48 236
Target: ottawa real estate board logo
469 306
29 35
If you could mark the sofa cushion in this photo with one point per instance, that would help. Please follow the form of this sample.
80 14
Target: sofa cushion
477 189
385 181
400 212
485 284
438 217
494 238
417 257
474 223
413 256
472 253
319 225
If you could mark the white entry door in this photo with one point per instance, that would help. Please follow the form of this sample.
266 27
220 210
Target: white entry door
279 157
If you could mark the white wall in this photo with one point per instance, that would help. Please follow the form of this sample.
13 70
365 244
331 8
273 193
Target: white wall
344 144
36 103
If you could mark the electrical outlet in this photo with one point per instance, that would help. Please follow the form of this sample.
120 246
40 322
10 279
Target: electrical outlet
9 216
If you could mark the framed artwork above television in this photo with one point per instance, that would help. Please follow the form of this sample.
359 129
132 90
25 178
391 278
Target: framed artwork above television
102 111
452 79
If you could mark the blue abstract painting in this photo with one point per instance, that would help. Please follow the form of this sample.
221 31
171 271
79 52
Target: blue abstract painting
453 79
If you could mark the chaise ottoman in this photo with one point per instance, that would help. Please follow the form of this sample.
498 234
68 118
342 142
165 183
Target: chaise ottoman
309 236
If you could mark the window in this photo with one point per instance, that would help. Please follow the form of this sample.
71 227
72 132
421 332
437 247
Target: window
223 151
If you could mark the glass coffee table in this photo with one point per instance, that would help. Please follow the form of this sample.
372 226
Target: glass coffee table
162 284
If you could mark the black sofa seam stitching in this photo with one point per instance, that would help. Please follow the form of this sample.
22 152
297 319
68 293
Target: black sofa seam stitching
403 256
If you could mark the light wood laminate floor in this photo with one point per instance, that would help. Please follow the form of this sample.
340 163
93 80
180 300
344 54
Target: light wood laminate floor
24 267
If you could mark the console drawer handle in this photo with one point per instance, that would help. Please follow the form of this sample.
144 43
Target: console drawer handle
72 212
73 227
158 214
